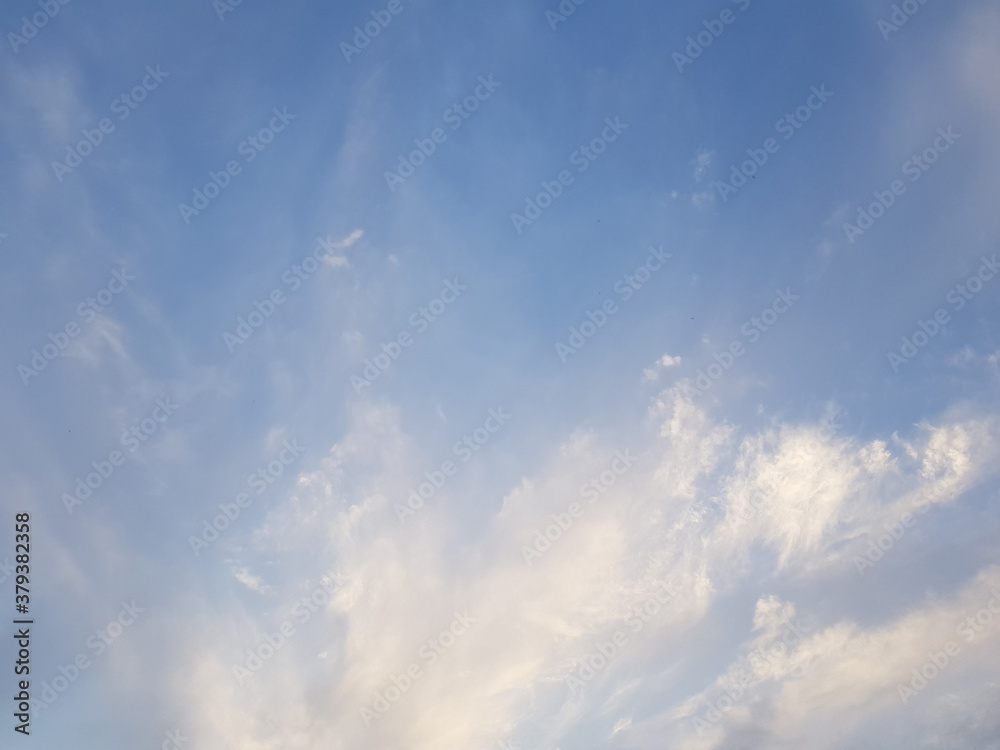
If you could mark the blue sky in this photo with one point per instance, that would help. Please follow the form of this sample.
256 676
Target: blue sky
754 502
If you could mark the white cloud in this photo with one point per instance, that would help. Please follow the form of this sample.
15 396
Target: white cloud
673 518
344 244
652 374
703 162
252 582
